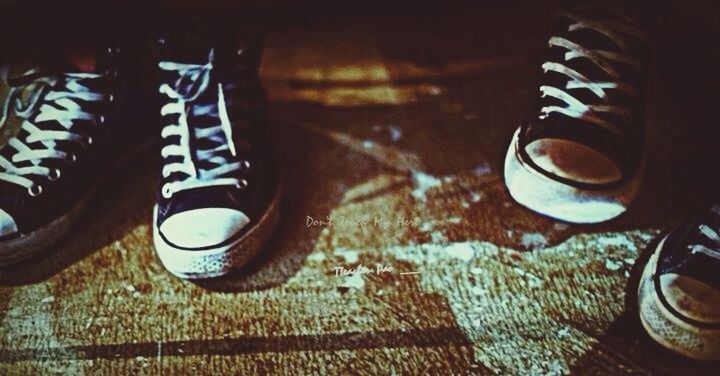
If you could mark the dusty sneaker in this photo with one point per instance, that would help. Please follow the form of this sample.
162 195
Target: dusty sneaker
578 156
218 193
50 164
679 294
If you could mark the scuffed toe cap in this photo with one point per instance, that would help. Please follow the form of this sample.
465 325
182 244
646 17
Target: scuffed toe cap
7 224
574 161
205 227
692 298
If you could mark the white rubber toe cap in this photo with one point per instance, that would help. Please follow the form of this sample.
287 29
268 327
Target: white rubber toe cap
7 224
206 227
555 198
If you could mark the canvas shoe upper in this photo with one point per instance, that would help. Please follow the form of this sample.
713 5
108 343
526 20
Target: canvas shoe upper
679 293
217 171
579 153
49 163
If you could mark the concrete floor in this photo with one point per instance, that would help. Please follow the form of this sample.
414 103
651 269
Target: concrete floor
396 127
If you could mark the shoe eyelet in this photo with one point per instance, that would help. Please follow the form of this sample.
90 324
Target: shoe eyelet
245 164
166 191
102 119
88 141
242 184
111 98
113 51
54 174
35 190
71 160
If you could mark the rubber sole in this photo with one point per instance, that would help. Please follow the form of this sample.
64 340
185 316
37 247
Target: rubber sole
217 262
669 330
558 200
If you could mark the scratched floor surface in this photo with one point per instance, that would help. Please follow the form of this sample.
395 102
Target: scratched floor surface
393 129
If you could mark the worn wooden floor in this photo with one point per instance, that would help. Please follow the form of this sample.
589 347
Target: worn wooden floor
396 128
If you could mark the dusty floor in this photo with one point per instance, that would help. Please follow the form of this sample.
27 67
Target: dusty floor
396 128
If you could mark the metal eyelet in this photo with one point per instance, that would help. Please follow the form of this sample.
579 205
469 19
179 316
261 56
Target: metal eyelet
102 119
113 51
71 160
88 141
111 98
54 174
35 190
166 191
242 184
245 164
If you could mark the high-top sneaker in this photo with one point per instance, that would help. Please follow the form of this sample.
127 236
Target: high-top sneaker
218 193
578 156
50 162
679 293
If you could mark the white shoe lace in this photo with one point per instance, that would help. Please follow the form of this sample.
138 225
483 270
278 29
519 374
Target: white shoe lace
575 108
193 81
710 234
52 98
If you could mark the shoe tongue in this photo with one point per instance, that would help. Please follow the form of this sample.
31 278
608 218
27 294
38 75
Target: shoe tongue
81 61
186 49
197 56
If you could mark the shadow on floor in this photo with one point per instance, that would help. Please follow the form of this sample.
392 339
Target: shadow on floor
121 203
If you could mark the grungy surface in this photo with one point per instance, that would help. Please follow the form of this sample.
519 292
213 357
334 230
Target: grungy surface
393 129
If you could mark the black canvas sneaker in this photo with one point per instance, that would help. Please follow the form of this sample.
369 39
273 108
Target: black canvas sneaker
578 156
51 158
218 194
679 293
